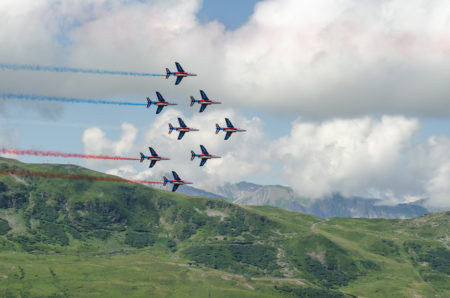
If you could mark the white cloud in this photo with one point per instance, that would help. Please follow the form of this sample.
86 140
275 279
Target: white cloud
438 186
351 156
8 138
341 58
96 143
367 157
324 58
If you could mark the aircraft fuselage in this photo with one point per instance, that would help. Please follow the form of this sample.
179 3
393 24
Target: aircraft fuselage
208 102
186 129
164 103
179 182
157 158
183 74
233 129
207 156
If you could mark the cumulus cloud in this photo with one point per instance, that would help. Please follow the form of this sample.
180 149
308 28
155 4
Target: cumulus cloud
341 58
323 58
8 137
96 142
368 157
351 156
438 186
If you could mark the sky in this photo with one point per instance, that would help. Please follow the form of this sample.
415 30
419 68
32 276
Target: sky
336 95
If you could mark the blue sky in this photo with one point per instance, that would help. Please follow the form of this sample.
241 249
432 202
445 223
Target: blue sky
332 101
232 13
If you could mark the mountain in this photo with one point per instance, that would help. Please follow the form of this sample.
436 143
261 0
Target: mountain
338 206
192 191
89 234
244 193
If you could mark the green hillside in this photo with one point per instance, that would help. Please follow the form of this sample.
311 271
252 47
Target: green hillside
66 237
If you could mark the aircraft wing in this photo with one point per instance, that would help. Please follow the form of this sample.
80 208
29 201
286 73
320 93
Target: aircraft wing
175 187
182 124
229 124
178 80
160 97
203 107
175 175
152 151
152 163
159 109
179 68
180 136
228 135
203 162
204 151
203 94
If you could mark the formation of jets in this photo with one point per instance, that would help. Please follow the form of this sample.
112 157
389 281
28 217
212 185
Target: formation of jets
229 129
161 102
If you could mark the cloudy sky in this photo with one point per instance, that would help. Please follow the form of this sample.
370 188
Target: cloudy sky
342 96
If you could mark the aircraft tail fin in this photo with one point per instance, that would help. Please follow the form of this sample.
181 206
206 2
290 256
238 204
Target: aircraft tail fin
217 128
167 73
170 128
165 180
142 157
192 100
192 155
149 102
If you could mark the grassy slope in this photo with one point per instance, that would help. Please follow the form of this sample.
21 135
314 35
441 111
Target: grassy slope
251 248
136 275
381 241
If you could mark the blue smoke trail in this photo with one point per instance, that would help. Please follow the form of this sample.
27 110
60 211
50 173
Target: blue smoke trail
6 66
67 99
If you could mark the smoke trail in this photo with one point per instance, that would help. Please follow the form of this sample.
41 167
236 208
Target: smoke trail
67 99
51 123
75 70
72 176
62 154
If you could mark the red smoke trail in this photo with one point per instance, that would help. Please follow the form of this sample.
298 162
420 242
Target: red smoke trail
61 154
71 176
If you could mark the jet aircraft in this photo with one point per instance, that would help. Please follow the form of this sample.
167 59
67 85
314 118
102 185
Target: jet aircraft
182 128
205 101
229 129
179 74
154 157
204 155
176 181
161 103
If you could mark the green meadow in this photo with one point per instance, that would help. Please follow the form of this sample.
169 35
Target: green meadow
63 237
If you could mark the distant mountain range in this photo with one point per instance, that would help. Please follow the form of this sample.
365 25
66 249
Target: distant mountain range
336 205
